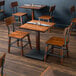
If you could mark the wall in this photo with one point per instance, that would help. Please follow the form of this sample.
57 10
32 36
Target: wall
62 12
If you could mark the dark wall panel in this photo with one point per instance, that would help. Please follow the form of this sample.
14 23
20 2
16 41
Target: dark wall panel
62 12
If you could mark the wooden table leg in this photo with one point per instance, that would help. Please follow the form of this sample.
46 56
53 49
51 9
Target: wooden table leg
32 14
38 40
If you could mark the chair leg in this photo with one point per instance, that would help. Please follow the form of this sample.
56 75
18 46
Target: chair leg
49 30
2 67
39 19
48 20
67 50
29 42
52 19
45 55
61 55
21 47
9 44
52 49
18 42
21 19
26 17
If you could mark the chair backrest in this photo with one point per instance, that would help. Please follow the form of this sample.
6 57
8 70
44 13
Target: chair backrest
14 6
51 10
9 21
67 34
2 3
72 10
47 72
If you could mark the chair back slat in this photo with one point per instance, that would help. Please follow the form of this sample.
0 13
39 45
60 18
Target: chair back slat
2 3
14 4
10 20
14 7
2 56
67 34
51 10
72 9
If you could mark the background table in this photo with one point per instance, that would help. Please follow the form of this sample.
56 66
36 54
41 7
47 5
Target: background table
33 7
37 53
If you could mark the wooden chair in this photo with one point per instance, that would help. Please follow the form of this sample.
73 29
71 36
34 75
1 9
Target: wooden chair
14 6
47 72
60 43
2 10
50 16
2 60
18 35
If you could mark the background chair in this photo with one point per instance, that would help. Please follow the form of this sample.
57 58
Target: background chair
73 10
50 16
18 35
14 6
2 60
60 43
47 72
2 10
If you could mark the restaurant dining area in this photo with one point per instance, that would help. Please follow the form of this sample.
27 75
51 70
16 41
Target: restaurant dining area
37 37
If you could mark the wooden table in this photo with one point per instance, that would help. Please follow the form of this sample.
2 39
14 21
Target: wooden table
33 7
38 29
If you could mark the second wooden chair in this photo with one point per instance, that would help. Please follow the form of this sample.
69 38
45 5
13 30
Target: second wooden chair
18 35
60 43
14 6
50 16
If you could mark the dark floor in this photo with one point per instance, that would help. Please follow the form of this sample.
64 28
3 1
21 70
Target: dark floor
16 65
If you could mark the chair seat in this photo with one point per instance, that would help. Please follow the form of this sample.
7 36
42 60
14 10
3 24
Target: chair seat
1 11
19 14
45 17
18 34
57 41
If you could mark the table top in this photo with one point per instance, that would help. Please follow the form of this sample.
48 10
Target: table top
36 27
74 20
33 6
